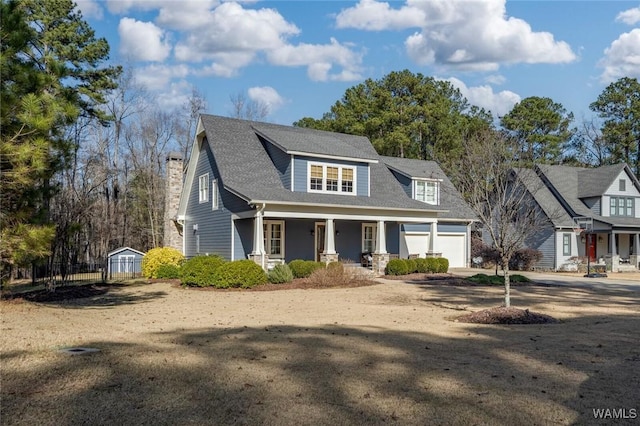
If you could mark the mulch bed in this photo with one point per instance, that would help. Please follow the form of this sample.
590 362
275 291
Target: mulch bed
503 315
60 293
296 284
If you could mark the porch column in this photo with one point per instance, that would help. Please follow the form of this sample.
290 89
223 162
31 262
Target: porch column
381 238
330 238
258 254
433 238
329 254
636 244
612 244
380 255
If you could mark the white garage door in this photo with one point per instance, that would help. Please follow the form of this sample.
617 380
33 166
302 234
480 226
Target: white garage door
413 244
453 248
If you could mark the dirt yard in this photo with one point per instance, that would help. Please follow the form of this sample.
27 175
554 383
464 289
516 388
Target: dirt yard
390 353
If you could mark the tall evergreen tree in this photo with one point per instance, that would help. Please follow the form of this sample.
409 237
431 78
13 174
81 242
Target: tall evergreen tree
542 129
619 106
51 65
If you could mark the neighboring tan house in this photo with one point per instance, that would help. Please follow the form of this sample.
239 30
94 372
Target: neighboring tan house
275 193
607 196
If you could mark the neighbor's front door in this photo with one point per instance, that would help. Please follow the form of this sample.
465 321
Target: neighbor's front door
320 233
591 246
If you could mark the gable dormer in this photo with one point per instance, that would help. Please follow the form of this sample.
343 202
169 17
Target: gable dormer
610 191
324 162
419 179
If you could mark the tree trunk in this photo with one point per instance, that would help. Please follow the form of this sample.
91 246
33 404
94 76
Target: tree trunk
507 285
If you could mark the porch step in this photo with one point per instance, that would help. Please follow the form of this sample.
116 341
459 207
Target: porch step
359 269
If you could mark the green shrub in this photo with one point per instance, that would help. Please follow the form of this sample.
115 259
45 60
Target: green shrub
432 265
304 268
168 272
442 264
280 274
157 257
422 265
485 279
412 265
199 270
396 267
239 273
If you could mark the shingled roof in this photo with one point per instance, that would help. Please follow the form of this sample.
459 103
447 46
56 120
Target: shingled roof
247 170
450 198
571 184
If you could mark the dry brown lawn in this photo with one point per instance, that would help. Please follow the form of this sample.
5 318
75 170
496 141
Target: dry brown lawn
390 353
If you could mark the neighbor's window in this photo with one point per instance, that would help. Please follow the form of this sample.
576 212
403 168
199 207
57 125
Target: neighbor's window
622 185
621 206
203 188
566 244
426 191
331 178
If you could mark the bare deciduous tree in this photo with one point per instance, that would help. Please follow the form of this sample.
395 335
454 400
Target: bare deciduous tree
500 193
248 109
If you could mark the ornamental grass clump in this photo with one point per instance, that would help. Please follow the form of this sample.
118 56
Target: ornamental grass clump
280 274
157 257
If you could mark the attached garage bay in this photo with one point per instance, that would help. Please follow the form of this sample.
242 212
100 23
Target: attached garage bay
451 242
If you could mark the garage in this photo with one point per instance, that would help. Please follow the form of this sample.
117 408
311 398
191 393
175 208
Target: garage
453 247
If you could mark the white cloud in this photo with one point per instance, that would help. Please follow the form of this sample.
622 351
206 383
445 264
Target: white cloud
630 16
319 60
622 58
174 96
471 35
495 79
90 9
143 41
267 96
156 77
499 103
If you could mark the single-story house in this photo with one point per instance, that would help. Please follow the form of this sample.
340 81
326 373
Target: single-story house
594 213
275 193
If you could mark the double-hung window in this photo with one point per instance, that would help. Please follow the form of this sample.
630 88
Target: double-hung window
621 206
274 238
203 188
368 237
566 244
214 194
426 191
332 178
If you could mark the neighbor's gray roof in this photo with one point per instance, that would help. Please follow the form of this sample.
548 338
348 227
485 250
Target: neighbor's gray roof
450 198
246 168
545 198
571 183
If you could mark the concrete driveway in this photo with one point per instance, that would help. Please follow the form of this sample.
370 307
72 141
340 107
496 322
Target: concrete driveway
629 281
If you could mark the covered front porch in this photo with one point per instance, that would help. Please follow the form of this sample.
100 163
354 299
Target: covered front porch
277 235
617 249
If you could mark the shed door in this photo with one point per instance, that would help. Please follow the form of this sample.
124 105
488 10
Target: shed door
453 247
125 263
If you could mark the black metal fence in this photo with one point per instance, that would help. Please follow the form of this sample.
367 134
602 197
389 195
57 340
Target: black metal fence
60 273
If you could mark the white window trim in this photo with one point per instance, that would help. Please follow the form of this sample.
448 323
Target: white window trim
324 178
214 194
267 240
203 188
374 225
414 190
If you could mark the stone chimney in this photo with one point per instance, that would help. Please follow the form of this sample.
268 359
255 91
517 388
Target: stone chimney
173 231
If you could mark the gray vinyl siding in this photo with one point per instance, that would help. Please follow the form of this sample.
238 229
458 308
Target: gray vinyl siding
298 241
300 173
405 182
452 227
281 160
393 238
594 204
544 240
349 242
416 227
243 238
214 226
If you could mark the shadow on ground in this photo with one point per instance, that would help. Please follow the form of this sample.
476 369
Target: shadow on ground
284 374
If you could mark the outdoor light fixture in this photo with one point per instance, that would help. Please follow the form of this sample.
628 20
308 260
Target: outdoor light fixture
195 227
337 232
311 232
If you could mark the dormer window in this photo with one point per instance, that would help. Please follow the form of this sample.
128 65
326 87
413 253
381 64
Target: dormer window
331 178
427 191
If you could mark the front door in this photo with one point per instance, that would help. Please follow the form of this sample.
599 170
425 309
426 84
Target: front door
319 233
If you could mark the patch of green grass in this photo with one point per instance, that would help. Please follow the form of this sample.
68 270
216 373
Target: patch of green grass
485 279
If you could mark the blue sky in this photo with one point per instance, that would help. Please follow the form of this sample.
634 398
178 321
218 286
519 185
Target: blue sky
299 57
